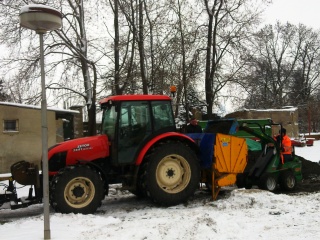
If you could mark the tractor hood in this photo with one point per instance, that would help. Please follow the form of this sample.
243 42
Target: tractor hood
81 149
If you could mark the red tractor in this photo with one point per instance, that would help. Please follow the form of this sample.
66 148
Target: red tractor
138 147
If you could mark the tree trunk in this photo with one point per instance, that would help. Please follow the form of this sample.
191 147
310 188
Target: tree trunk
118 89
208 86
141 50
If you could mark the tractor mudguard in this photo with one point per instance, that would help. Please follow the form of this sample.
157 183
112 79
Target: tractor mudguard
169 135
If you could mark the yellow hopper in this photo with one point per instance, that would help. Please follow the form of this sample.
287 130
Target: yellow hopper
230 158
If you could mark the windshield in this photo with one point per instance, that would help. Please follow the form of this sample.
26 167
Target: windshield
109 120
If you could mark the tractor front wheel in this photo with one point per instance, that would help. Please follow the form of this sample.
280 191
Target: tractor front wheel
171 174
76 189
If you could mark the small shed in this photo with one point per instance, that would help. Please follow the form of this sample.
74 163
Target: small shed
287 116
20 136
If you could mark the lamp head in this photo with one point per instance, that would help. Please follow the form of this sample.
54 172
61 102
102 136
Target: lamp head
40 18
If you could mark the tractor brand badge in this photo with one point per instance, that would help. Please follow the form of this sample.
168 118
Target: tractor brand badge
82 147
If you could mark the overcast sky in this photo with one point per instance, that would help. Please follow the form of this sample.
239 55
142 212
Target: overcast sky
295 11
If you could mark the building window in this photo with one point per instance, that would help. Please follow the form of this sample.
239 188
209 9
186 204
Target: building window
10 125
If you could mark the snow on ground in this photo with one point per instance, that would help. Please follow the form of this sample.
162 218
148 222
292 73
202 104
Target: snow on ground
309 153
236 214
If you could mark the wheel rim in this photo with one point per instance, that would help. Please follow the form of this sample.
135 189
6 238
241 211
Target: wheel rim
173 173
79 192
271 183
290 181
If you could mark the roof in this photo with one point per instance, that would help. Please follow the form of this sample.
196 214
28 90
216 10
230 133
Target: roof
20 105
285 109
138 97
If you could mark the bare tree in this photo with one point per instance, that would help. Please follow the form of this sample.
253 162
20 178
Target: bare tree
154 44
305 79
4 97
79 49
284 66
187 46
141 47
71 59
229 24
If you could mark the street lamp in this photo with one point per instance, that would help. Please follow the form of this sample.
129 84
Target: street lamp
42 19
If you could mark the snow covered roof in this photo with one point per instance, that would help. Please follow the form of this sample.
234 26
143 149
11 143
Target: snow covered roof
36 8
38 107
284 109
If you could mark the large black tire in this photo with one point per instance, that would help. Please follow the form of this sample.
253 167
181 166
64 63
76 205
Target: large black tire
287 181
171 174
76 189
268 182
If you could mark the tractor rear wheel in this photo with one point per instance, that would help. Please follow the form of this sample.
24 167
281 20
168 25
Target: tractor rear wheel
268 182
287 181
76 189
172 174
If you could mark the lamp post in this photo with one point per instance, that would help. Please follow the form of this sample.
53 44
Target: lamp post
42 19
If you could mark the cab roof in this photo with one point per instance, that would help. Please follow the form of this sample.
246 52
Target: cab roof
135 98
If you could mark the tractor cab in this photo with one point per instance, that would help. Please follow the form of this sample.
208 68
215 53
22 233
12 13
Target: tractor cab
130 124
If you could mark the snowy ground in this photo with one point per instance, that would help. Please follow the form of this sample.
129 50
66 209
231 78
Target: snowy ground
310 153
236 214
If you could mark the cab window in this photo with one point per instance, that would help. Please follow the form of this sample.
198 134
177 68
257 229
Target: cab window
134 120
109 120
134 127
162 114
